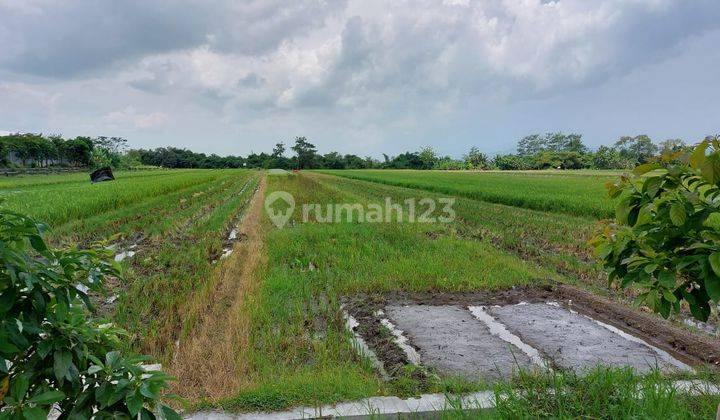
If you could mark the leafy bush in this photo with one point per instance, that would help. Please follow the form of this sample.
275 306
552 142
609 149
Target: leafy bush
665 240
51 352
100 158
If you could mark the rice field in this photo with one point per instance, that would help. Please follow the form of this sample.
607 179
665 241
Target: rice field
248 316
579 193
174 223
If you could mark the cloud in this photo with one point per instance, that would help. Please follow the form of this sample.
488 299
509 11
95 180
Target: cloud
379 54
75 37
130 117
371 69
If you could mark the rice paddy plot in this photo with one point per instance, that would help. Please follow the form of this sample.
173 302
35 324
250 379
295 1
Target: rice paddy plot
581 194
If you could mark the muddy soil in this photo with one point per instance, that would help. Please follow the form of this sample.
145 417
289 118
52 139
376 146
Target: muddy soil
687 347
452 341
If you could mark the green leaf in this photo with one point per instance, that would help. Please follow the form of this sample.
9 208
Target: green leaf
711 168
119 391
94 369
48 397
714 259
622 211
134 403
652 298
61 309
34 413
103 394
169 413
7 347
652 186
666 278
664 308
669 296
697 158
146 414
645 168
61 366
644 215
700 311
148 391
19 387
712 286
677 214
111 358
43 348
37 242
604 250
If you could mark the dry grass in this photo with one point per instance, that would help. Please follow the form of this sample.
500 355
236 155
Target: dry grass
210 362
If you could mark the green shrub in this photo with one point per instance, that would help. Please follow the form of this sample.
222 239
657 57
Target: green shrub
51 352
665 240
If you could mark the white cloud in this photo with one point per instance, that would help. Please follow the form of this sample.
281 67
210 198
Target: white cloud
369 70
130 117
427 51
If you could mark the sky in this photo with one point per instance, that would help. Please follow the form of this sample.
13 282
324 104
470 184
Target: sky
364 77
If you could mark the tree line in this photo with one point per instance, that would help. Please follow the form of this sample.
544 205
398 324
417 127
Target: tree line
36 150
537 151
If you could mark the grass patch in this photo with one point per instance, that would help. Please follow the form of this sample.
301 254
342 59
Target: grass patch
602 393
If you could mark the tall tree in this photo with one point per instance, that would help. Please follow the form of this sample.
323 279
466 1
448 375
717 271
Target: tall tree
639 148
305 153
476 159
279 149
672 145
428 157
531 145
333 160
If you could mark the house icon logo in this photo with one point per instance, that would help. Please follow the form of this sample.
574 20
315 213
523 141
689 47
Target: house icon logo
279 206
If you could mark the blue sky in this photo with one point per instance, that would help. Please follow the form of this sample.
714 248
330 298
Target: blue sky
362 77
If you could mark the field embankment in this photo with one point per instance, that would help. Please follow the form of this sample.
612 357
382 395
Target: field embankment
210 359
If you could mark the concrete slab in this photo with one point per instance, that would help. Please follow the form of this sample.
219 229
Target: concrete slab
573 341
369 408
454 342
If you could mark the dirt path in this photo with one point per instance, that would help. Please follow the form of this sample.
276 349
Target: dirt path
209 361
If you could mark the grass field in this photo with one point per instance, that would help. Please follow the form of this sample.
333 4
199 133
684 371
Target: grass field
176 222
262 328
580 193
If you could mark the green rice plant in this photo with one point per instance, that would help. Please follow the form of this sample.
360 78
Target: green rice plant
170 270
153 216
557 242
24 182
581 195
60 203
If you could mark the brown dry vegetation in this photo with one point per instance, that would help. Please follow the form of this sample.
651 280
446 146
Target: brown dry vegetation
210 359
